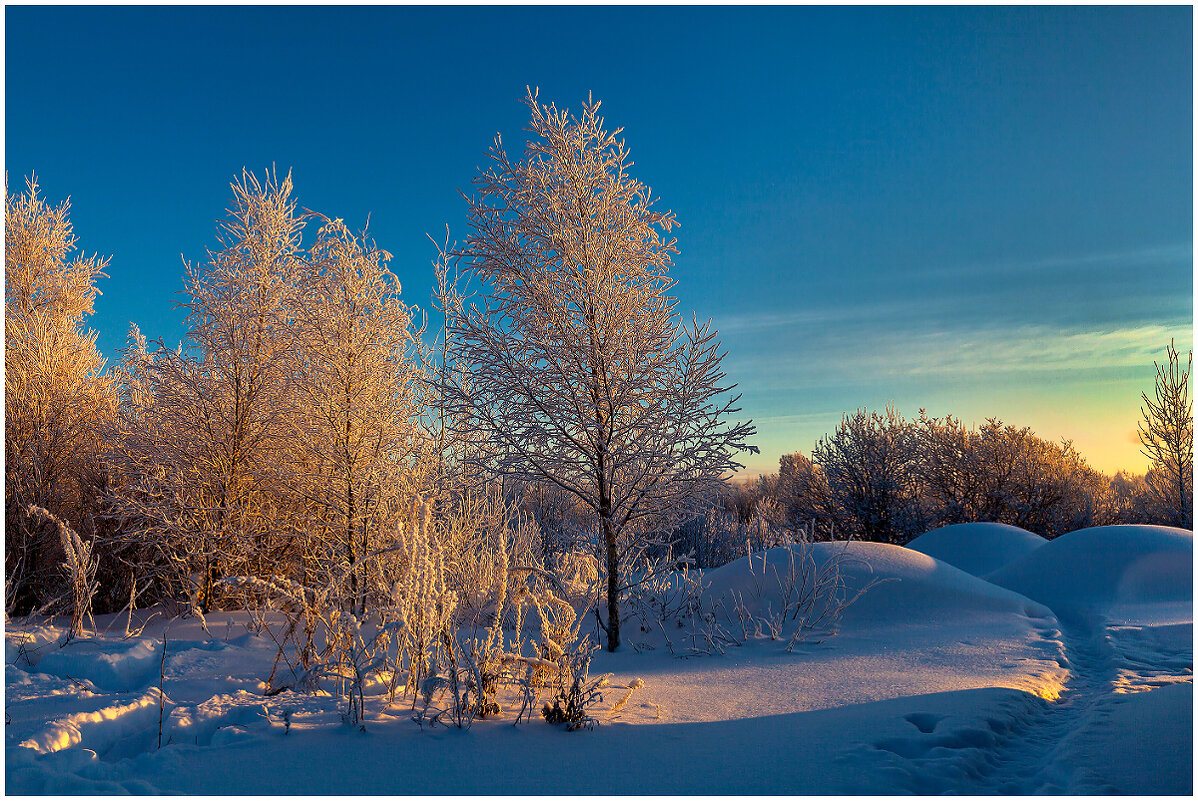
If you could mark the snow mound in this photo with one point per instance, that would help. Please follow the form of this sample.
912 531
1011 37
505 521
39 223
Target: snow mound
1104 567
120 667
909 588
977 548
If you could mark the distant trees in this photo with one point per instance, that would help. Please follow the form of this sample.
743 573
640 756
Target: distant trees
58 404
580 371
887 479
1167 438
869 468
1002 473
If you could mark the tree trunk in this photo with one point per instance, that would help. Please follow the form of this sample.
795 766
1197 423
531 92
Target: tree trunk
613 584
209 586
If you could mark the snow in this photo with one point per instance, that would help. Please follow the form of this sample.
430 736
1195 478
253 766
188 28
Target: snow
935 681
977 548
1145 742
1106 567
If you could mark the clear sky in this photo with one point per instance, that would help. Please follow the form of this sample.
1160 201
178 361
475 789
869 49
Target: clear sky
979 211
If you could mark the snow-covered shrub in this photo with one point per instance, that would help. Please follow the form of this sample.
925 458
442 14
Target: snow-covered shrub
563 523
425 602
870 464
356 656
791 593
1004 474
577 691
337 648
541 651
79 566
667 593
721 535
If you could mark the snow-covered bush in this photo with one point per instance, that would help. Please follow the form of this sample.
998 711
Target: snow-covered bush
425 602
666 592
869 463
79 567
577 691
720 535
1004 474
787 594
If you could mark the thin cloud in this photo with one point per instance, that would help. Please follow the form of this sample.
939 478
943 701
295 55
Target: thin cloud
978 353
1022 290
1174 254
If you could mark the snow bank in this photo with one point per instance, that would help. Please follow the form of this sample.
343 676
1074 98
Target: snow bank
927 628
1101 568
912 589
27 645
119 666
100 729
977 548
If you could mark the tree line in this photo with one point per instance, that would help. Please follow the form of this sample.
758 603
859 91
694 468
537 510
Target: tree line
883 478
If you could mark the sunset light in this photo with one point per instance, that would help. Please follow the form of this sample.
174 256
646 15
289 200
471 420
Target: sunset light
566 400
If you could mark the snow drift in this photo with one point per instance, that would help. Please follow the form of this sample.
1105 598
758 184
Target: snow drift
910 588
1104 567
977 548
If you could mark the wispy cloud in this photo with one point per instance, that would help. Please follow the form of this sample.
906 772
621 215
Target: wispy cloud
1152 256
991 351
1118 289
1031 348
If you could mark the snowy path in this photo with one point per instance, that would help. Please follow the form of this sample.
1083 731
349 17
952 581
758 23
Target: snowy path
1034 757
1046 748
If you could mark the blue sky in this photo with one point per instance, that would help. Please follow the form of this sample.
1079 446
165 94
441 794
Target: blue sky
980 211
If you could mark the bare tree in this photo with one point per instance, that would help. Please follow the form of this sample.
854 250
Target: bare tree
1167 437
57 399
580 370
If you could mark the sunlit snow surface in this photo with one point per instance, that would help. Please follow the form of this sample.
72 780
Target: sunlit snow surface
936 681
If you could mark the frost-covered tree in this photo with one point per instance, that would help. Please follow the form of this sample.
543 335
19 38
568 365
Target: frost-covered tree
358 389
206 424
58 401
581 372
802 493
1003 473
1167 438
869 464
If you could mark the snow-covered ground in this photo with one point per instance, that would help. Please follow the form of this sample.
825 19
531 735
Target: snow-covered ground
1066 668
